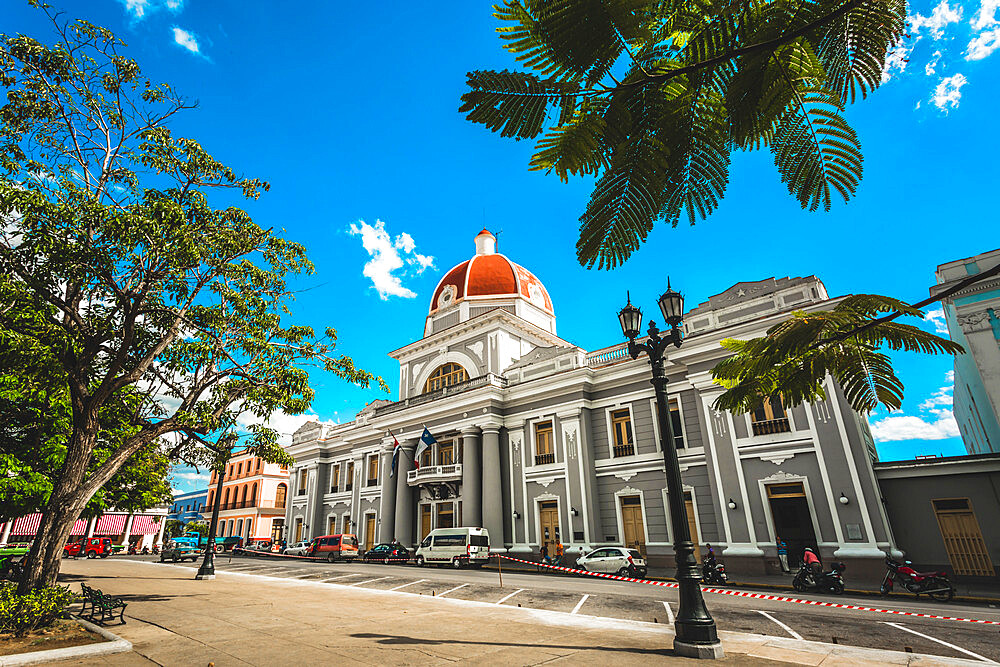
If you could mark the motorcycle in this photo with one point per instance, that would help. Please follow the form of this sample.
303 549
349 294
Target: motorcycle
145 551
934 584
132 551
824 582
156 549
713 572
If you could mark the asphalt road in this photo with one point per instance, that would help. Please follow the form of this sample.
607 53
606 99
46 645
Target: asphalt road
642 602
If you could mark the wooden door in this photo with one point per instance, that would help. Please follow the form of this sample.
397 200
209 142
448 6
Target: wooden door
331 528
298 530
962 538
692 524
548 524
635 533
425 521
369 531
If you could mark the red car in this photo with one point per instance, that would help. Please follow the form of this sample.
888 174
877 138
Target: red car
91 547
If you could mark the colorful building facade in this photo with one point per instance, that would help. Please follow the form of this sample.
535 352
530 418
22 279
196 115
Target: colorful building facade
253 500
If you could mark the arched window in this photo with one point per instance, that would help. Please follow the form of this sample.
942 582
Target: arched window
243 500
253 495
221 528
211 494
226 501
445 376
239 527
230 531
280 495
249 529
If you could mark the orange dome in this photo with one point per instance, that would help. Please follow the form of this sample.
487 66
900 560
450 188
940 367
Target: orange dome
489 274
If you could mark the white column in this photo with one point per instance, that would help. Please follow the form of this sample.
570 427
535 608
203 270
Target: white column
6 531
91 527
163 525
128 529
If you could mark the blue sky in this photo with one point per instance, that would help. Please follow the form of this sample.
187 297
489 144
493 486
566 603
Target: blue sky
349 110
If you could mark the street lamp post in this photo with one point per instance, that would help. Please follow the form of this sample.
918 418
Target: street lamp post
696 636
207 569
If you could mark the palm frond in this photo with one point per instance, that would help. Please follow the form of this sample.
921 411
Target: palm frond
514 103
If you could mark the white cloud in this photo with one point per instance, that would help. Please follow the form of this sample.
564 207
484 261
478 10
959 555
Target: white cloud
936 317
284 424
949 92
388 257
983 44
192 476
932 64
940 18
987 15
186 39
936 423
139 8
897 59
915 428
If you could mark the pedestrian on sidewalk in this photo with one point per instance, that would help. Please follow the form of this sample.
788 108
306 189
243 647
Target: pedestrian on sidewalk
783 556
559 553
543 553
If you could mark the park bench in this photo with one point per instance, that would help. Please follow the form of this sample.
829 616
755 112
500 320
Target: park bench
103 608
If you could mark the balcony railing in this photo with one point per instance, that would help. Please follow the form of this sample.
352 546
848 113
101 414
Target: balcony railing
542 459
623 450
488 380
770 426
608 356
372 482
425 474
241 504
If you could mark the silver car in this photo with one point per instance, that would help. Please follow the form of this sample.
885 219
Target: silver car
297 549
614 560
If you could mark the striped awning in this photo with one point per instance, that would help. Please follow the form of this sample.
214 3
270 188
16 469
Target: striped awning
27 525
145 525
80 527
111 524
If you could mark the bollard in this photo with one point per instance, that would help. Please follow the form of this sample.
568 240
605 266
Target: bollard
500 570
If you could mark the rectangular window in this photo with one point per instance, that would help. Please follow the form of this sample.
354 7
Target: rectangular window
425 458
303 479
347 523
675 422
446 454
350 476
332 525
373 469
335 482
543 444
446 516
769 417
621 426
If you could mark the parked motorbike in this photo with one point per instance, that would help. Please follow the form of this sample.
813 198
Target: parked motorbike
934 584
824 582
132 550
156 549
713 572
145 551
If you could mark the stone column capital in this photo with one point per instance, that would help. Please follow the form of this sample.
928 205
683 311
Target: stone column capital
471 430
571 414
491 427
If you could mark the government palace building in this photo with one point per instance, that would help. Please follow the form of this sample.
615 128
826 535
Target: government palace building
541 441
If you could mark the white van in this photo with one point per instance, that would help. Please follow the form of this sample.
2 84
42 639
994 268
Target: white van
458 547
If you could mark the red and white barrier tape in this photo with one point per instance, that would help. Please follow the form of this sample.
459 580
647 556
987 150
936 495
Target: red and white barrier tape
747 594
273 554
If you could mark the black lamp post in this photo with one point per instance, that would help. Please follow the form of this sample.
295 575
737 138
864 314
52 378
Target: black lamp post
207 569
696 636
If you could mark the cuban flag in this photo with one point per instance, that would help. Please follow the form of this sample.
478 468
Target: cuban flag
426 440
395 455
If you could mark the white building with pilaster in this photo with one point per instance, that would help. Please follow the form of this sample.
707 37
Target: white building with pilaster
539 440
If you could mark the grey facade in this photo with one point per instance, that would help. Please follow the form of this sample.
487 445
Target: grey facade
946 512
597 485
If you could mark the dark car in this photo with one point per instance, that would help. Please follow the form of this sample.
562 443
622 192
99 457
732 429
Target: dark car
91 547
388 551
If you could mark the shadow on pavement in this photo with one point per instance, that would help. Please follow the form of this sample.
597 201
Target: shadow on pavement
404 640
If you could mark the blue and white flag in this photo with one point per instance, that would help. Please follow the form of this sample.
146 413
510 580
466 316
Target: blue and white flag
426 440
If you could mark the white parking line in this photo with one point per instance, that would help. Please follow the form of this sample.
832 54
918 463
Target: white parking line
670 612
343 576
407 584
367 581
943 643
580 603
781 625
452 590
507 597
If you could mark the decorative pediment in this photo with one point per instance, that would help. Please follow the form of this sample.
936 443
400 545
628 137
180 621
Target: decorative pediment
628 490
777 459
782 476
546 496
625 476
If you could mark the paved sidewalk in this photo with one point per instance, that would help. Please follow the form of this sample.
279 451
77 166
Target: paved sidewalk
255 620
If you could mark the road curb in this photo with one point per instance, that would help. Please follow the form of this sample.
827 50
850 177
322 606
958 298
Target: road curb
114 644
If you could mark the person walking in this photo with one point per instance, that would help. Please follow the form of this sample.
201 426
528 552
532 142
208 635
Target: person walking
543 553
783 556
559 553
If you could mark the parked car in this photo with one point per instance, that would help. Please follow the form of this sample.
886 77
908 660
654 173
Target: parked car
334 547
180 550
91 547
387 551
614 560
297 549
459 547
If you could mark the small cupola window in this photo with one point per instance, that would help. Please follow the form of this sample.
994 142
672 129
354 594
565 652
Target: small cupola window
446 375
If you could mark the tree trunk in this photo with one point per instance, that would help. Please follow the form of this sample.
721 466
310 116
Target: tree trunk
69 498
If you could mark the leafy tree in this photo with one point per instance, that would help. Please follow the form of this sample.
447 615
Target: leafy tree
174 528
651 98
152 296
199 527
